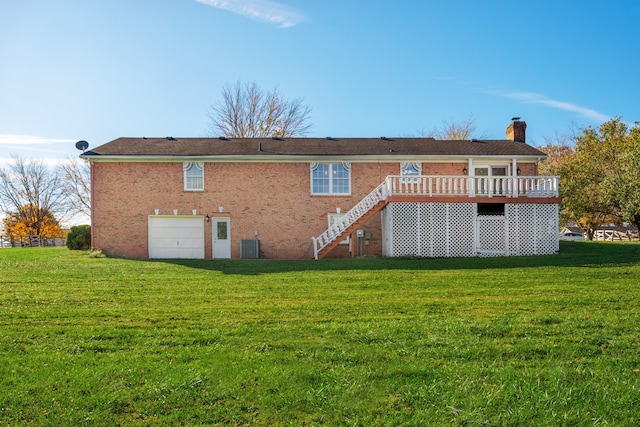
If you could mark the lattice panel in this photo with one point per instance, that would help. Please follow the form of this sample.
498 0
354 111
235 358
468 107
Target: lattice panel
429 229
491 238
547 226
426 229
522 229
461 234
533 229
454 229
405 232
439 246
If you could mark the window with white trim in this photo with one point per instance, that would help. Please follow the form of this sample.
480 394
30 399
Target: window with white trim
193 176
331 178
410 170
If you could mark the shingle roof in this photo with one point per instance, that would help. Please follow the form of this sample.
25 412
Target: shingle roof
268 147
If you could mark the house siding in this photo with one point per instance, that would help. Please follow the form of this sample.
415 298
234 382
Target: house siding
273 199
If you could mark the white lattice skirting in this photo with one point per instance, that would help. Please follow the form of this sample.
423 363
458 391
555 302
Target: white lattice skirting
456 230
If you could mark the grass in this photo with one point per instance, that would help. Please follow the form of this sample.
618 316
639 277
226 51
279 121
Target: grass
522 341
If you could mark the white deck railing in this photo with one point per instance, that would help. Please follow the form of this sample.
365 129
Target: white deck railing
436 186
473 186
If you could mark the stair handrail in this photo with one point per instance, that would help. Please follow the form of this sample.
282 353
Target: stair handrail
334 232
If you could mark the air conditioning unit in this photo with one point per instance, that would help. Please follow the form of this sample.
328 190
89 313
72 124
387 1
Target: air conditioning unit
250 248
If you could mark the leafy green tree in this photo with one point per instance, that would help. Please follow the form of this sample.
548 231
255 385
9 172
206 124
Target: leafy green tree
599 183
581 195
622 186
557 149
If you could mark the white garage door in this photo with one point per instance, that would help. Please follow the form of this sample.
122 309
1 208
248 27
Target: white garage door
176 237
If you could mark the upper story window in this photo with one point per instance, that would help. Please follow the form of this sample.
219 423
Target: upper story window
410 170
193 176
331 178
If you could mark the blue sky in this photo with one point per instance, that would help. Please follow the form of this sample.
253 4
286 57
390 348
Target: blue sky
100 69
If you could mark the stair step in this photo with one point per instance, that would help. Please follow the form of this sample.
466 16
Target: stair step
364 218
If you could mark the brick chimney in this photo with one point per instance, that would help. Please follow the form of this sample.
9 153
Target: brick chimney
517 130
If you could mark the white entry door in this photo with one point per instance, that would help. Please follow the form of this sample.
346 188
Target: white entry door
221 233
176 236
490 186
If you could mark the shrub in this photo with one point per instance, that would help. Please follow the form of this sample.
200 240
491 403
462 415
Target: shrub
97 254
79 237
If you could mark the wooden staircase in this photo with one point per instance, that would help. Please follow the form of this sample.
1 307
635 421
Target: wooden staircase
351 229
373 203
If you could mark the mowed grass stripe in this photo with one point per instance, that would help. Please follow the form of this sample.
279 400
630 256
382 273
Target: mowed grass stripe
501 341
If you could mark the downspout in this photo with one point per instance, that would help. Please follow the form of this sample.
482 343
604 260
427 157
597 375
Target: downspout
91 200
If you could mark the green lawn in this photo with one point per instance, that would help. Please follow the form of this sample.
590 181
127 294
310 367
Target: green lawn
536 341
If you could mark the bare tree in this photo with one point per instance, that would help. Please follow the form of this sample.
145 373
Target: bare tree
455 130
246 111
30 188
76 176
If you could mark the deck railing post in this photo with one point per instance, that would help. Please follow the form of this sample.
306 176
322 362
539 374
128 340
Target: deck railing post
315 248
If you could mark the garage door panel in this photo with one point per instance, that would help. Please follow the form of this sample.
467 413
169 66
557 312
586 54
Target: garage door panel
176 237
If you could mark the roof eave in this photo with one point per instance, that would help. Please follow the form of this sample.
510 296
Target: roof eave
386 158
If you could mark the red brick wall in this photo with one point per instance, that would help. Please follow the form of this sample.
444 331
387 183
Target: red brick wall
450 169
270 198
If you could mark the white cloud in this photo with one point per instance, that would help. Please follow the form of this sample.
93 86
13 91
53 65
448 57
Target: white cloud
536 98
19 140
268 11
50 150
5 162
532 98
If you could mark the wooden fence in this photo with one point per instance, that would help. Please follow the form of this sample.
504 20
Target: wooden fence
613 235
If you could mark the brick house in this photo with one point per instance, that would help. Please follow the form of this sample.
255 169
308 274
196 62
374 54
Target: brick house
302 198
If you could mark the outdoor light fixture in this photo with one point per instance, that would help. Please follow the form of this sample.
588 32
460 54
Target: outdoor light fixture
464 170
207 218
518 171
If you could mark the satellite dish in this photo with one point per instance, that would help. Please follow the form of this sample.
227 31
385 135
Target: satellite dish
82 145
